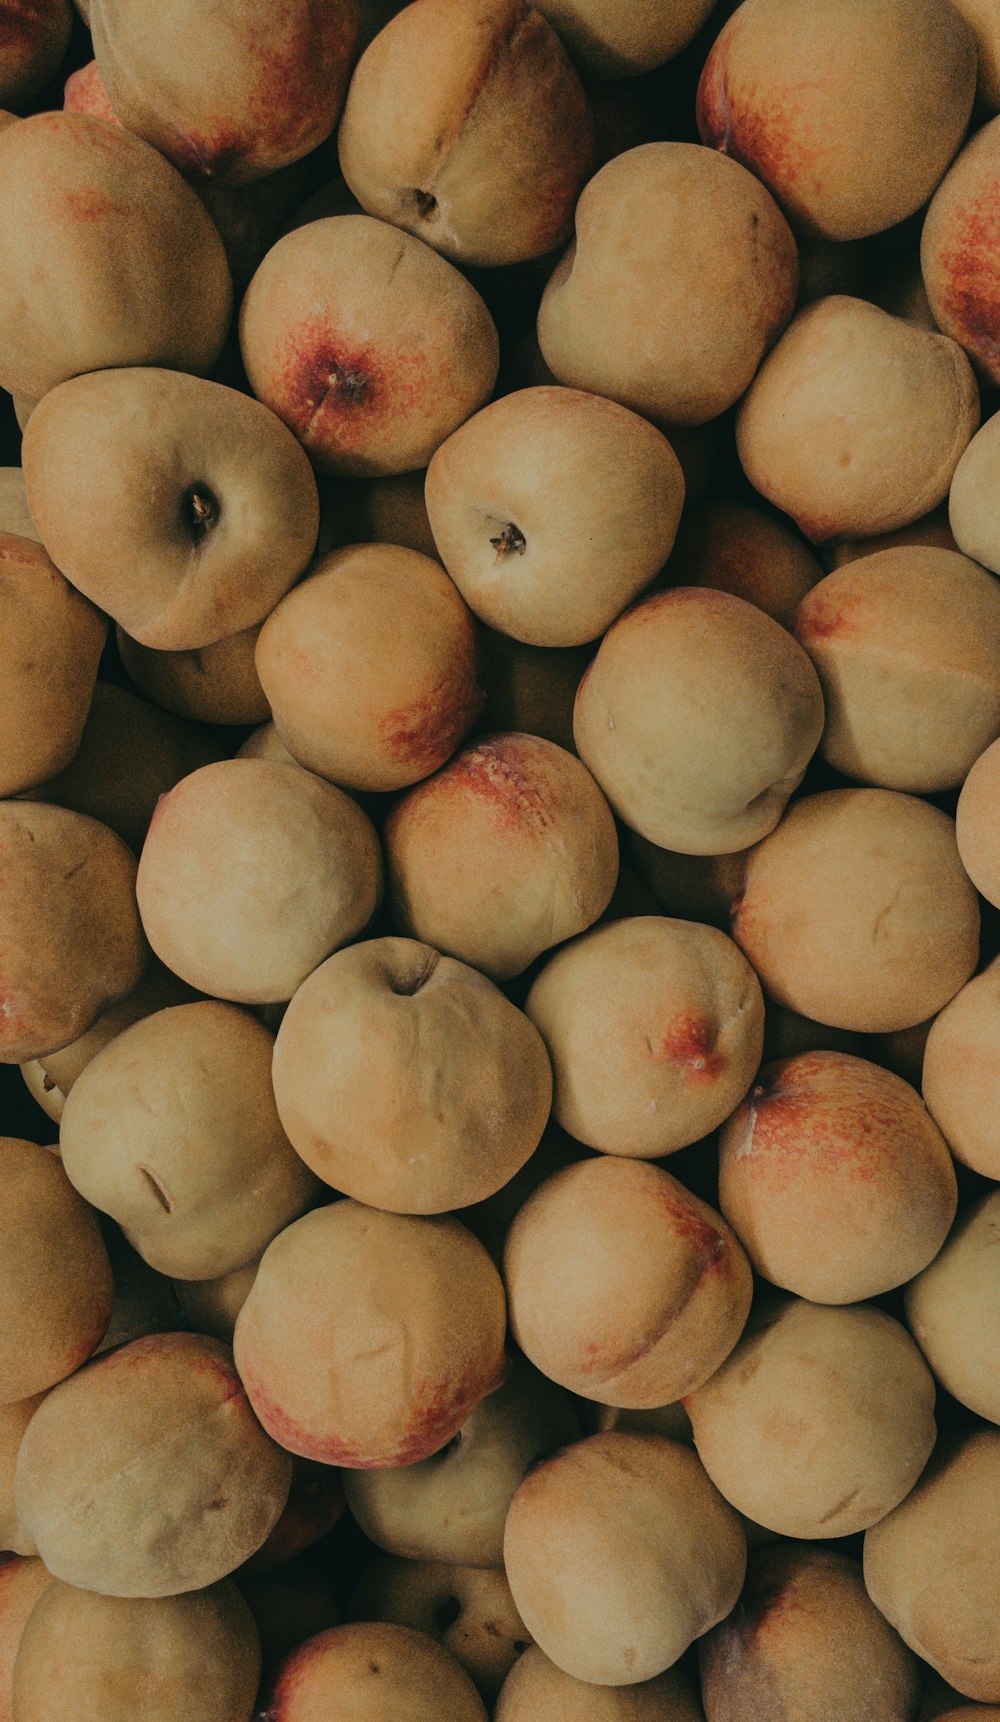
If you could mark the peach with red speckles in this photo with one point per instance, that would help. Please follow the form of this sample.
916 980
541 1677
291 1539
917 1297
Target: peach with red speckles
229 93
667 313
536 1687
112 261
470 129
848 110
806 1643
467 1609
619 1552
524 814
733 547
410 1318
85 94
856 911
452 1505
22 1583
209 684
147 1474
623 1286
34 36
392 1076
961 1071
958 250
367 344
690 774
370 667
855 424
368 1670
835 1178
906 644
655 1029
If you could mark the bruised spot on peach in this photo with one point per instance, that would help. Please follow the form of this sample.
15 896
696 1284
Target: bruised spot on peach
494 772
821 618
690 1041
326 388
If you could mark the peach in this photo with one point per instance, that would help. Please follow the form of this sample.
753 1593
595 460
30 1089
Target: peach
856 911
368 1669
820 1421
14 1420
849 110
252 216
392 1072
209 684
981 17
57 1286
961 1072
531 688
157 990
491 1220
147 1474
972 487
536 1687
467 1609
932 531
181 507
524 814
953 1309
370 667
36 36
551 510
172 1129
622 1285
469 129
15 515
613 44
619 1552
369 346
22 1583
906 644
835 1178
451 1506
84 1656
976 826
655 1029
266 743
806 1643
69 927
252 874
52 644
668 311
410 1316
932 1567
229 94
698 776
112 260
84 93
734 547
958 251
144 1300
854 425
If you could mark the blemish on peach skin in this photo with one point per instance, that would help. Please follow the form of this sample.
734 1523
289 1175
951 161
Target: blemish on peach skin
971 296
426 732
819 618
768 136
497 775
336 394
689 1040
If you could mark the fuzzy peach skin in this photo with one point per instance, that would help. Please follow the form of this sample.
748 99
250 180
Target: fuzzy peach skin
409 1315
969 512
982 19
619 1552
854 425
682 274
211 684
958 251
820 1421
469 128
611 43
906 644
69 927
183 508
953 1310
36 36
451 1506
56 1286
112 260
933 1565
806 1643
467 1609
857 911
655 1029
835 1178
93 1657
932 532
370 667
524 814
849 110
734 547
977 825
536 1687
147 1474
251 875
551 510
531 688
698 776
172 1129
14 1420
369 346
229 94
392 1076
622 1285
52 644
961 1072
22 1583
368 1670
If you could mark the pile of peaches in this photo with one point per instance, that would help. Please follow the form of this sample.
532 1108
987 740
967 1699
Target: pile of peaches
500 860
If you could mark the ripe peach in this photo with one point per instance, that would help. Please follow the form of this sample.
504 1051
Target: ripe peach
22 1583
958 250
972 488
212 1306
961 1072
932 532
209 684
733 547
369 1669
14 1420
536 1687
84 93
692 887
467 1609
953 1309
157 990
976 824
611 43
981 17
315 1504
15 515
